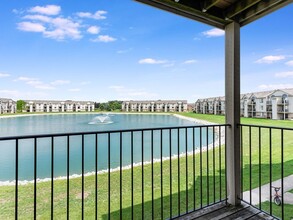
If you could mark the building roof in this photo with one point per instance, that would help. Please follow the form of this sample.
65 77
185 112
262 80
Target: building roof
219 13
156 101
6 100
58 102
263 94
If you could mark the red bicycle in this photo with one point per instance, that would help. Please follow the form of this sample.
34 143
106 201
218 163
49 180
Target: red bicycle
277 196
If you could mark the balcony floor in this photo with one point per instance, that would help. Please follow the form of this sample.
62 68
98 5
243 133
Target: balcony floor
222 211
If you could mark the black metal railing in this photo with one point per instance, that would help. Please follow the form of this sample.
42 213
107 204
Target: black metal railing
267 162
156 173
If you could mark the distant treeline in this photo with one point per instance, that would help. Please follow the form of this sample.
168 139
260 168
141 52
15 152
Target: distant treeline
109 106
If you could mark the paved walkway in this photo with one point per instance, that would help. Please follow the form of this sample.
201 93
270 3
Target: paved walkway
265 192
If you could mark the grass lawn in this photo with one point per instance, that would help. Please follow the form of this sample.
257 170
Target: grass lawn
209 175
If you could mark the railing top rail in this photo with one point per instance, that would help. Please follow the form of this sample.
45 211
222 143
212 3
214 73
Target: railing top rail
107 132
263 126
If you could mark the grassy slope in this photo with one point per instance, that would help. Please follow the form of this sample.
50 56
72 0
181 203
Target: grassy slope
43 191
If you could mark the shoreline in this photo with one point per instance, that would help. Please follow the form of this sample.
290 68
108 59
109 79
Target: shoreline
215 144
126 167
77 113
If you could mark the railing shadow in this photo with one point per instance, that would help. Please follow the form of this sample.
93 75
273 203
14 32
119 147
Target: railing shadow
196 197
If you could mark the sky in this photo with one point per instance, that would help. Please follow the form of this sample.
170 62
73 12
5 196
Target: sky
123 50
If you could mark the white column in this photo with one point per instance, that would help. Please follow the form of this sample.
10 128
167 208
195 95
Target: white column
274 109
232 93
62 107
215 108
31 107
245 108
152 107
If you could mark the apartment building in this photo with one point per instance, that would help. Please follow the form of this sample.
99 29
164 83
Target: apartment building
7 106
58 106
155 106
275 104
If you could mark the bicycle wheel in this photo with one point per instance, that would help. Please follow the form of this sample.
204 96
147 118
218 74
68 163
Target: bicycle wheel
277 201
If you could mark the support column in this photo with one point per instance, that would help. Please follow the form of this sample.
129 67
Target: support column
232 92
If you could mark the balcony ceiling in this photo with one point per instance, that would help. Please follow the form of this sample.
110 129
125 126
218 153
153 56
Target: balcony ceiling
219 13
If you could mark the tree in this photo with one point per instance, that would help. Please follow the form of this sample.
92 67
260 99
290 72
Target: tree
20 105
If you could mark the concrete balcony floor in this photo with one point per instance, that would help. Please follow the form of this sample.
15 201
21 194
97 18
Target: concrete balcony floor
221 211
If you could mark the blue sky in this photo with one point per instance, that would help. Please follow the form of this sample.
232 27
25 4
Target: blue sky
120 49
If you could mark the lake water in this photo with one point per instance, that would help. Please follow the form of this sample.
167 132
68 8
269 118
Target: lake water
52 124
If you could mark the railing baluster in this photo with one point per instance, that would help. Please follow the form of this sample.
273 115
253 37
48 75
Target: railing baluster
259 164
270 140
16 179
250 168
109 175
96 176
220 162
142 175
214 164
132 195
226 188
186 170
200 158
82 177
152 155
121 146
241 158
178 140
52 177
208 180
161 166
193 167
35 178
170 149
282 171
67 180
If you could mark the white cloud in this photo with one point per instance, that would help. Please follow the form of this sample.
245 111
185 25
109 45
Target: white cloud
289 63
124 51
93 30
104 38
63 28
74 90
47 10
42 18
270 59
31 27
85 83
275 86
2 75
44 87
215 32
285 74
98 15
9 93
60 82
190 61
36 83
127 93
24 78
117 88
151 61
57 28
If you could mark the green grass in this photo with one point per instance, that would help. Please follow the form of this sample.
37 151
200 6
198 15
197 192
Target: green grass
255 121
43 192
259 158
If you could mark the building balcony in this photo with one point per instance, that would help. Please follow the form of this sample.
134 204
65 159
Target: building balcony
155 173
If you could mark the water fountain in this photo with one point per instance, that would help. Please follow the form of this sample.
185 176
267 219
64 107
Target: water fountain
101 119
